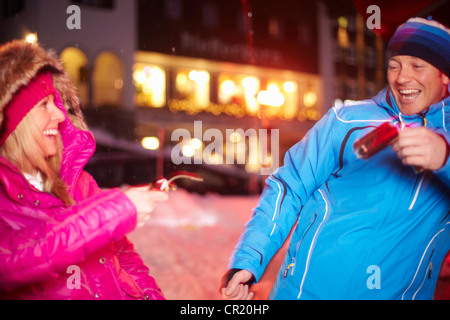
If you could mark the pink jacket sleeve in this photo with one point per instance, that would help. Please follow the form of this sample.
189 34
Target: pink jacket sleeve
129 260
37 253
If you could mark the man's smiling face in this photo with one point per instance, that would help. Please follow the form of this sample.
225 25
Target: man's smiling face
415 83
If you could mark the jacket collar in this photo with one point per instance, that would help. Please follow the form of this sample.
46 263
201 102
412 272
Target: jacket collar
435 111
21 191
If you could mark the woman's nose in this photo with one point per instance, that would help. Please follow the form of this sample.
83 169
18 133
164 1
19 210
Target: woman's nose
57 114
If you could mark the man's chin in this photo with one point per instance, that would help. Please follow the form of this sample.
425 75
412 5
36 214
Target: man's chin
409 108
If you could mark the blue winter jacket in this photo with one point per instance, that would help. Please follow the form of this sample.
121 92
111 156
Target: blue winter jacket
367 229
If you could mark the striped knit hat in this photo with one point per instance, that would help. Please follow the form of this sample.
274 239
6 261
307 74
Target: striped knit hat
428 40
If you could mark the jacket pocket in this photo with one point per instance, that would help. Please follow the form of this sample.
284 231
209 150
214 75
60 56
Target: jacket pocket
289 270
423 272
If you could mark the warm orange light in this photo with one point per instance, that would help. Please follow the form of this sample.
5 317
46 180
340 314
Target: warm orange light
309 99
228 87
289 86
272 97
199 76
31 38
150 143
235 137
250 83
188 150
150 82
196 143
139 76
214 159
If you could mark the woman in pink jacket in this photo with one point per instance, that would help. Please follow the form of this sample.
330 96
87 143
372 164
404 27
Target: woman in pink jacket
61 237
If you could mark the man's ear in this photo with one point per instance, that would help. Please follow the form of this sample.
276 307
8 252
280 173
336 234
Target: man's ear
445 79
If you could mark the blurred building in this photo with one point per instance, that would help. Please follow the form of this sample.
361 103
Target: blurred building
99 56
230 64
358 58
145 68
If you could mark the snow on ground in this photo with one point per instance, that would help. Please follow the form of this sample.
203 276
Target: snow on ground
188 241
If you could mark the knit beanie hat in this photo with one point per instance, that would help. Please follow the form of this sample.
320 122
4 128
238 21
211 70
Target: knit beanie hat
428 40
23 101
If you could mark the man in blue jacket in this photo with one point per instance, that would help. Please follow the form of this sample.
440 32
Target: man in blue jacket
365 229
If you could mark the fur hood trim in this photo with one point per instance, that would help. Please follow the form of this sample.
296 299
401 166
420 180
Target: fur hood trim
21 61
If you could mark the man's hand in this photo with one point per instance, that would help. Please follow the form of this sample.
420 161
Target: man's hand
421 147
237 288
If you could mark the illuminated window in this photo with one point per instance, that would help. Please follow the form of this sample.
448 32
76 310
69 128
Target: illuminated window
240 90
108 80
76 65
194 87
342 35
150 83
280 99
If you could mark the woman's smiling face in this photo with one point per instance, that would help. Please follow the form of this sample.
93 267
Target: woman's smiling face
415 83
47 117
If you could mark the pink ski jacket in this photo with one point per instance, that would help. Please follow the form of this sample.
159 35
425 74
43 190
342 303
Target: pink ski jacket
50 251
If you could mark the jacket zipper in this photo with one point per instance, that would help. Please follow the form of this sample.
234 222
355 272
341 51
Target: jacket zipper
416 193
427 274
314 240
416 169
429 270
289 267
292 264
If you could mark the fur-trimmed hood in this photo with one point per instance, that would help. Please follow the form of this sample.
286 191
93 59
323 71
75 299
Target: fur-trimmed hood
21 61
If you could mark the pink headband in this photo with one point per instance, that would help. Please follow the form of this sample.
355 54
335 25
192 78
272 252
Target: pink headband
23 101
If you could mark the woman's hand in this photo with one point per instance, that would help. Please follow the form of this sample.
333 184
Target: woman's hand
421 147
145 201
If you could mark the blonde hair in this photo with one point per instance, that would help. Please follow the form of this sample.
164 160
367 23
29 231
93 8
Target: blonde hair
24 149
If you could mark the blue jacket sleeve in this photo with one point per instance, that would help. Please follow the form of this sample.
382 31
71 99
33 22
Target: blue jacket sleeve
444 173
307 165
